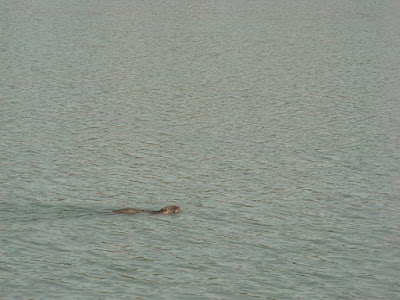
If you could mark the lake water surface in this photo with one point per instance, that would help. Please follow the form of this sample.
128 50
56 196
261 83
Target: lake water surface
273 124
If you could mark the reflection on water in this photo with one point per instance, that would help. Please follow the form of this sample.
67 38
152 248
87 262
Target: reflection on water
272 124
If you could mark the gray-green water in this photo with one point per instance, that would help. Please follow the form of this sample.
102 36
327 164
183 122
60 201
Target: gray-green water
273 124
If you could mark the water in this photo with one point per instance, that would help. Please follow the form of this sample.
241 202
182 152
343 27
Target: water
273 124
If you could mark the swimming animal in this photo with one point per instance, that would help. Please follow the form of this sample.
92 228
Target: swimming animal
163 211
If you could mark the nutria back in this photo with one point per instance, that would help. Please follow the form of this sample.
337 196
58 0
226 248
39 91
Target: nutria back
128 210
163 211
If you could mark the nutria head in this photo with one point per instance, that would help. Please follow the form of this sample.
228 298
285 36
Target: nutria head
170 210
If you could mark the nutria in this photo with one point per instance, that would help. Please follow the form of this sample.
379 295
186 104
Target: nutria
163 211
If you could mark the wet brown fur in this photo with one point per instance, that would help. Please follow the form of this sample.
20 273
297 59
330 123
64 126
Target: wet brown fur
163 211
